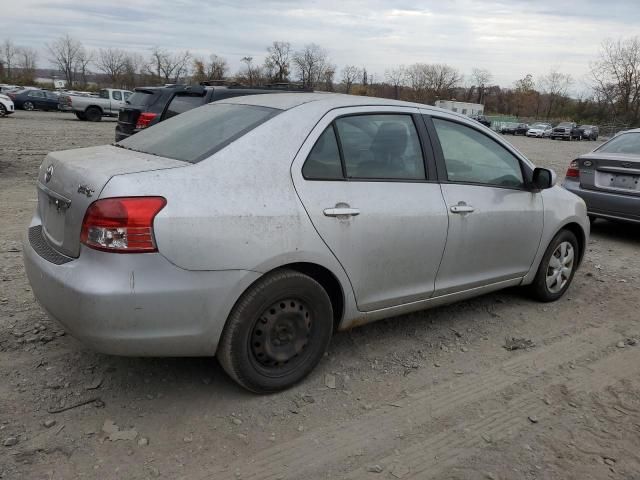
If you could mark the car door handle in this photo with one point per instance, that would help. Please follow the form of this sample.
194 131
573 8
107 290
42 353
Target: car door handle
462 208
341 211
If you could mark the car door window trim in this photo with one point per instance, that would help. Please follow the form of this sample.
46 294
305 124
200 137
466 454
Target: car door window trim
428 157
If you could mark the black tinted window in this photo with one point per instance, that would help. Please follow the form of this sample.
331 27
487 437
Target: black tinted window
381 147
472 157
323 162
181 104
143 99
197 134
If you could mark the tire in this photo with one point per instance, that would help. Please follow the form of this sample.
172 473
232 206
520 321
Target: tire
28 106
3 110
540 289
277 332
93 114
81 116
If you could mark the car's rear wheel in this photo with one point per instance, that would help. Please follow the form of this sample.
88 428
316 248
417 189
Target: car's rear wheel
28 106
93 114
277 332
81 116
557 267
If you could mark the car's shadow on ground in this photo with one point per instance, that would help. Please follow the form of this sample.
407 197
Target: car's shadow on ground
621 231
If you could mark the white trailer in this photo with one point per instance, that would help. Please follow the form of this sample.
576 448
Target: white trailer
461 107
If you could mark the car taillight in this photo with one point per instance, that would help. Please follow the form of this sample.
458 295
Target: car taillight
121 225
574 170
145 119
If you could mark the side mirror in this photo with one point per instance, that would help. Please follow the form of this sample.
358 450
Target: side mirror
543 178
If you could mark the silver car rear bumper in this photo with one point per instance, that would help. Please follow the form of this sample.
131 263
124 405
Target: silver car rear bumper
134 304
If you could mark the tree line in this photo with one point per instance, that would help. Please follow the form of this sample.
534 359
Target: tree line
613 79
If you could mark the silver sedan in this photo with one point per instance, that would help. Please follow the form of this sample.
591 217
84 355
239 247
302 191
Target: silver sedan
253 228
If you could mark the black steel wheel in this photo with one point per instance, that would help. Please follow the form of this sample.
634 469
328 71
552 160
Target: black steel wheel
277 332
93 114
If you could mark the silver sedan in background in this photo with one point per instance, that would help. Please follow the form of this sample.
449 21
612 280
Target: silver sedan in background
253 228
608 179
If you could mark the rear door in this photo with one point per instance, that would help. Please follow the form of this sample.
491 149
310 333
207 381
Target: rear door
366 179
495 223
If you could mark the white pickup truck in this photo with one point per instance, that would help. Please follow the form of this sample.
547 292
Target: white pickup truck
93 107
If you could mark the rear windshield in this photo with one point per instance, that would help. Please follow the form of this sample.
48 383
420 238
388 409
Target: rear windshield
623 143
198 133
143 99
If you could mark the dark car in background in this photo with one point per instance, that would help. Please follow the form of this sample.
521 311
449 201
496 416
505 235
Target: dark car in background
589 132
567 131
608 179
34 99
512 128
150 105
482 119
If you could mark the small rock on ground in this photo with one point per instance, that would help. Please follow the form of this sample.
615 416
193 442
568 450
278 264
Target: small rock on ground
375 469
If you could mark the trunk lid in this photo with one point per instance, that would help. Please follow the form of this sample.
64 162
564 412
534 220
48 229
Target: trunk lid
69 181
613 172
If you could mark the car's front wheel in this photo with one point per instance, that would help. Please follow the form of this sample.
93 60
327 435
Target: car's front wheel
557 267
3 110
277 332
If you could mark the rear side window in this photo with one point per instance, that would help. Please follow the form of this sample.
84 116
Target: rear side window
381 147
143 99
199 133
181 104
117 95
323 162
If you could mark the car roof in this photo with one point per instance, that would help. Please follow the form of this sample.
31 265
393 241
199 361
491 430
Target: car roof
287 101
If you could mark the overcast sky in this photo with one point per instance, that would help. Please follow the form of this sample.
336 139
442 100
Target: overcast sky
508 37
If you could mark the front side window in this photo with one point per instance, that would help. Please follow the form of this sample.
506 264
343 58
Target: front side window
472 157
127 95
381 147
117 95
323 162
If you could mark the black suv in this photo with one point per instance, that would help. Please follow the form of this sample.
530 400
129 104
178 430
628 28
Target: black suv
150 105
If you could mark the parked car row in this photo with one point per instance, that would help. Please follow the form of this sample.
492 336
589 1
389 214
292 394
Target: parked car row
564 130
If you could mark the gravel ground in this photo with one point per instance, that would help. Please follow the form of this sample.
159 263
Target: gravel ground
428 395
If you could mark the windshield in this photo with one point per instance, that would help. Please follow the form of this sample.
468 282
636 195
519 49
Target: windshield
628 143
198 133
540 125
565 124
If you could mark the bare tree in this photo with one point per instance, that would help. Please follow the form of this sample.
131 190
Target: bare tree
430 82
481 77
278 60
310 63
168 67
26 61
328 73
556 85
83 59
113 63
251 71
64 54
350 74
134 66
396 78
9 52
616 77
217 68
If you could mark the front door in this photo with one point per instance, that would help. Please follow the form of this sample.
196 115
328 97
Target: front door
495 223
363 180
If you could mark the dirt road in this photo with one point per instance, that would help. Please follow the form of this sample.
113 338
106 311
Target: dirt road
433 395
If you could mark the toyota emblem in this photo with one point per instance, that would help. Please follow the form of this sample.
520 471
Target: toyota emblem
48 174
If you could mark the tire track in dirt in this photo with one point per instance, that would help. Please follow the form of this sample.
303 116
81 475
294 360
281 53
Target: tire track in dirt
314 454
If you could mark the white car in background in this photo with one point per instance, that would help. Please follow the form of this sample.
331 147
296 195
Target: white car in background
540 130
6 105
